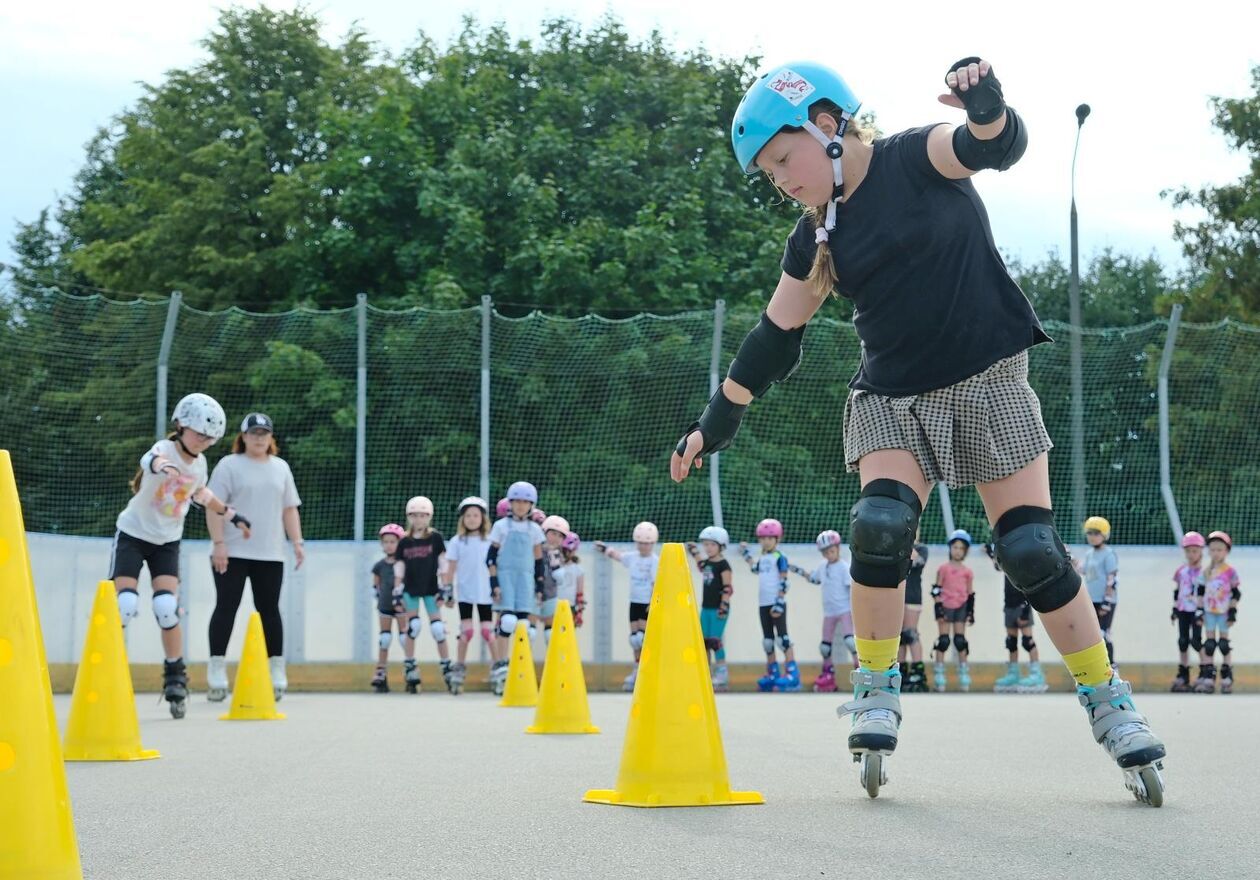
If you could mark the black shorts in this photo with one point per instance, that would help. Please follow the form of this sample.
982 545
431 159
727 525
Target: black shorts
914 593
484 612
953 615
130 554
1018 616
772 626
638 611
1104 620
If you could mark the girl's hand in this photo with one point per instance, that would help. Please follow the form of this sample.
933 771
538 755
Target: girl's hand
963 79
299 555
219 557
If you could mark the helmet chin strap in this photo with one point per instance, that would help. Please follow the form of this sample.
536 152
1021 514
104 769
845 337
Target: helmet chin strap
835 150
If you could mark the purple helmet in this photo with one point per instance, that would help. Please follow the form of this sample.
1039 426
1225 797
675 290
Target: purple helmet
571 542
769 528
538 516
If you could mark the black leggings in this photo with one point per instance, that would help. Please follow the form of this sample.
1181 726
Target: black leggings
265 578
771 625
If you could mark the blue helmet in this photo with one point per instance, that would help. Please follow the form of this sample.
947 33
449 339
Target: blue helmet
959 535
781 98
522 491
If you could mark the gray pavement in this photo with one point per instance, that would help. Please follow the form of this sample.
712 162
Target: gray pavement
390 786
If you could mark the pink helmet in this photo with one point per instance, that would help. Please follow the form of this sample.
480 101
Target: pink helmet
556 523
503 508
571 542
1221 536
392 529
769 528
1193 539
829 538
538 516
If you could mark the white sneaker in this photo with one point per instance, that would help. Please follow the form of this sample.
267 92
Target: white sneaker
278 679
216 679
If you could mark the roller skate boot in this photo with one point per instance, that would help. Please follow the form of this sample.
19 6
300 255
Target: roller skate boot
1008 683
876 711
1126 736
765 684
216 680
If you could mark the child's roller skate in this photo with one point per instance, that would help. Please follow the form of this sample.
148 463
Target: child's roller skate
628 684
876 711
916 682
1181 684
380 680
455 681
446 674
1009 683
790 681
1035 681
1207 679
1227 678
411 676
279 679
175 686
1127 737
216 680
721 679
498 677
964 676
765 684
938 677
825 683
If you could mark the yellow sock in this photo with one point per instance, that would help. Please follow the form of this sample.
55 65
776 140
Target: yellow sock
1089 667
877 655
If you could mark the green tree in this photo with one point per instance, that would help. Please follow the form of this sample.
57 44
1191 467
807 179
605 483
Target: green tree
1117 290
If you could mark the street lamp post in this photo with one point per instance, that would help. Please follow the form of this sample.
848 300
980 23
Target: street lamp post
1074 317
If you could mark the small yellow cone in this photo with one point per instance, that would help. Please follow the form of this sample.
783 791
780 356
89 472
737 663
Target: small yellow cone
673 754
522 678
252 696
562 703
103 725
36 825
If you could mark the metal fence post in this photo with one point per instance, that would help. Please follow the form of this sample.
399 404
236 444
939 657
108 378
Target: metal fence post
603 617
162 414
361 619
715 377
486 311
1165 451
947 507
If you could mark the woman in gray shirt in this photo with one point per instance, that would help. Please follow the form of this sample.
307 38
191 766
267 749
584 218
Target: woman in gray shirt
259 483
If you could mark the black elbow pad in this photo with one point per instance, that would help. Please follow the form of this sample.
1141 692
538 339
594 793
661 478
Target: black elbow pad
768 354
998 153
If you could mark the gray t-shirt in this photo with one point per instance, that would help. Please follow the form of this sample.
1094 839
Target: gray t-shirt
260 490
1099 562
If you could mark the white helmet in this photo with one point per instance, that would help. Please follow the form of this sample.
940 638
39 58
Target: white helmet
556 523
646 533
202 413
474 501
829 538
420 504
716 534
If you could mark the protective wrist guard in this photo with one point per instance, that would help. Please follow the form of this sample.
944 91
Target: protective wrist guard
779 607
539 575
718 425
768 355
971 606
998 153
983 101
494 582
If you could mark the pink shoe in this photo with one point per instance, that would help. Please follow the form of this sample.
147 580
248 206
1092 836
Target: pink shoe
826 681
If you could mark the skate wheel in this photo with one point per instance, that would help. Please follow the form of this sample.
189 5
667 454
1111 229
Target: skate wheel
179 708
872 773
1153 786
216 696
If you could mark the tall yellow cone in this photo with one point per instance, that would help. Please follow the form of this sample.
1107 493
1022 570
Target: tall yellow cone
522 678
103 725
562 704
252 696
36 826
673 754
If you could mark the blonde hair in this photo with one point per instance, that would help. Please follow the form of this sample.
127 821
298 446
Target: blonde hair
238 445
461 532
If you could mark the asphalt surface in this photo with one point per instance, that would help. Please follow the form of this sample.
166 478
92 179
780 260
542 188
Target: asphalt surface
396 786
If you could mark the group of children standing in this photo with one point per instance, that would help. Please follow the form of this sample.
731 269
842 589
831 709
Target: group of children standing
1205 606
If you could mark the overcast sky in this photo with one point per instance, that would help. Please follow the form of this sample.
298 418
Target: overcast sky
68 67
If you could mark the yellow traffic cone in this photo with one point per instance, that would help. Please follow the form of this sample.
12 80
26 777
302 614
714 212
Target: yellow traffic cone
103 725
673 754
562 704
522 678
36 826
252 696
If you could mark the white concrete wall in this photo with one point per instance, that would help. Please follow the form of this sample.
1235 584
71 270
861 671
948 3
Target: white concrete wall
318 604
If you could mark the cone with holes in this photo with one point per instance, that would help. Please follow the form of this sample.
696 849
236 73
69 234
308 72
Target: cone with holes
252 696
562 703
36 826
103 725
522 678
673 754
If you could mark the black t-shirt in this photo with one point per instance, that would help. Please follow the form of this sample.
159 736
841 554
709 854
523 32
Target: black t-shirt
420 556
711 576
933 302
914 578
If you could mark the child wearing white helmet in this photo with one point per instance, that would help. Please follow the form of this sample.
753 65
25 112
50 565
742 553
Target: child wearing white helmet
833 576
469 576
717 582
642 567
515 562
421 555
390 607
771 568
172 476
955 598
896 225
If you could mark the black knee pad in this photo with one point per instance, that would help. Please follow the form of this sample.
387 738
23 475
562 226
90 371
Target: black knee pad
942 643
1196 640
713 644
1032 555
909 637
1183 643
1224 645
1209 647
960 642
881 529
1028 643
1011 643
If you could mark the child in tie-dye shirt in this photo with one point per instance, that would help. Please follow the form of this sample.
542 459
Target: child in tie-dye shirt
1219 592
1185 610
